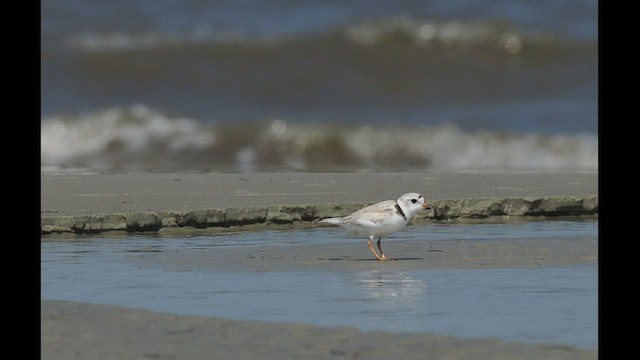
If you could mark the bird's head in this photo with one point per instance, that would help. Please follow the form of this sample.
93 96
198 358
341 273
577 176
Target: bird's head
412 203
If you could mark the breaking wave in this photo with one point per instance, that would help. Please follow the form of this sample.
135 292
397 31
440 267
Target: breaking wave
397 30
138 137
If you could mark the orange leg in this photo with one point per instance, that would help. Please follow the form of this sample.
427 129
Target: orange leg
378 257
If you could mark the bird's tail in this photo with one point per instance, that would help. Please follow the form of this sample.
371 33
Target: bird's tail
333 221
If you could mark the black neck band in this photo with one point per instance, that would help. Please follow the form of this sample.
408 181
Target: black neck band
400 212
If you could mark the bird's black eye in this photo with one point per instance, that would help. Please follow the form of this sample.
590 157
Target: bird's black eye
414 201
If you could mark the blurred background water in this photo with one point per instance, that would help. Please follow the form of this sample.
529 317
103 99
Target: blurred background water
319 85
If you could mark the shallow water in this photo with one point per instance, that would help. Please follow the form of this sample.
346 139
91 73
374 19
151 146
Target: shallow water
548 305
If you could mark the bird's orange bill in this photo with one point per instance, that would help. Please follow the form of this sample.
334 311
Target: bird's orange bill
426 206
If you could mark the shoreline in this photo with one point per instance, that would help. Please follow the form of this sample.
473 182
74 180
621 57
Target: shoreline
81 203
351 255
304 216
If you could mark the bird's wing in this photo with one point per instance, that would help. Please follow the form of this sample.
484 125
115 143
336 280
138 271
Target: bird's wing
373 215
381 206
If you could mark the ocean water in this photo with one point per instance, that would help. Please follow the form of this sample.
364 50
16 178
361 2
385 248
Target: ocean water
345 85
541 305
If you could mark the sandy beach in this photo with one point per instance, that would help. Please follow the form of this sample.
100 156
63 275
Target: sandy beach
96 202
90 331
86 331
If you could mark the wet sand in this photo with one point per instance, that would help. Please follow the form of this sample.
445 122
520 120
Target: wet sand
86 331
92 193
76 330
353 255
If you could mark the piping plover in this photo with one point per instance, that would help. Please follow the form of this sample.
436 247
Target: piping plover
381 219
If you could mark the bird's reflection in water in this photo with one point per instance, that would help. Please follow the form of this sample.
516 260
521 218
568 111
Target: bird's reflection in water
391 286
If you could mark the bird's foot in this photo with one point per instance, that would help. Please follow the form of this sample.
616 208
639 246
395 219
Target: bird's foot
382 257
